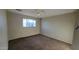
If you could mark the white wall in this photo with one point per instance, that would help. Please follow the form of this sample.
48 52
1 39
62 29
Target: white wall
60 27
15 27
75 44
3 30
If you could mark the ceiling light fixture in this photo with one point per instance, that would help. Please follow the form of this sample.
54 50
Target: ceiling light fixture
38 14
18 9
39 11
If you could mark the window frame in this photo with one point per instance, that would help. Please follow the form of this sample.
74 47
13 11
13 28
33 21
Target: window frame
26 22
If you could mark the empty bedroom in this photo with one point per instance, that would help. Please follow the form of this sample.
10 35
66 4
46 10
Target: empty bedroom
40 29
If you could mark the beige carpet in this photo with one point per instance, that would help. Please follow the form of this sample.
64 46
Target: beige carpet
38 42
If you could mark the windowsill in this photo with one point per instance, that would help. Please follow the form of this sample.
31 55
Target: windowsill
29 27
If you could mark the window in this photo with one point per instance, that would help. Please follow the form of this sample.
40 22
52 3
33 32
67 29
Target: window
29 23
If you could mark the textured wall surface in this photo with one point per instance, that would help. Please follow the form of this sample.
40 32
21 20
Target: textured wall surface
16 29
3 30
60 27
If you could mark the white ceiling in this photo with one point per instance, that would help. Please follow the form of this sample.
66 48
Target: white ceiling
43 12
